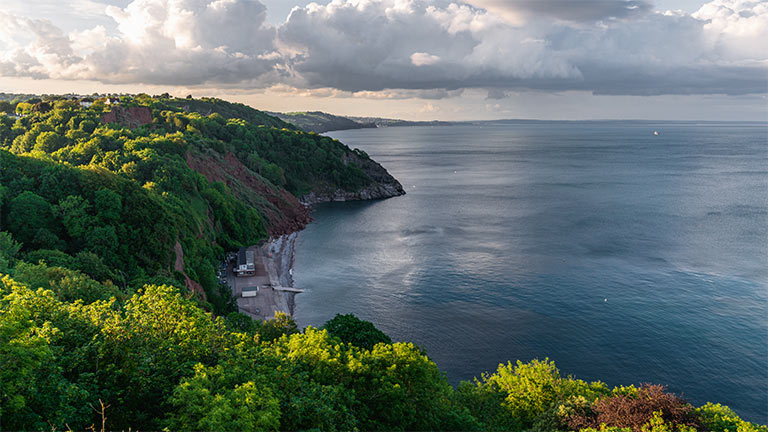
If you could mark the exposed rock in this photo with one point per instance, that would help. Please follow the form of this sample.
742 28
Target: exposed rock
284 213
131 117
383 186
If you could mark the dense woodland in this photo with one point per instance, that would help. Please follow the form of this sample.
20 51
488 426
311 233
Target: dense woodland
98 330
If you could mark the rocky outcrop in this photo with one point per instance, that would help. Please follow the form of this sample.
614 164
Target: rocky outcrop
130 117
383 186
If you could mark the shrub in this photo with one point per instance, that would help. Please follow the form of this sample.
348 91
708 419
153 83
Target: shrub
636 411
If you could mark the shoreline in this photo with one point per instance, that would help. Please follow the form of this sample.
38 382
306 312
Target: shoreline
281 252
272 283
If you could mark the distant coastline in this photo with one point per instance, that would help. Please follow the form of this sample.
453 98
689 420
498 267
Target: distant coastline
322 122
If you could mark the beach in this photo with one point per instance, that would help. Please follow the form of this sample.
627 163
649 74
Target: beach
270 289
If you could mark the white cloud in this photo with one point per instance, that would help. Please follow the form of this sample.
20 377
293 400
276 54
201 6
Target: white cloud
424 59
370 45
381 44
736 29
157 42
389 48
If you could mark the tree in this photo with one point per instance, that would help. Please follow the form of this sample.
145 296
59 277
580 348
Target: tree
9 250
47 142
108 205
28 214
353 330
156 339
7 107
522 396
74 212
716 417
68 285
224 398
24 352
103 241
280 324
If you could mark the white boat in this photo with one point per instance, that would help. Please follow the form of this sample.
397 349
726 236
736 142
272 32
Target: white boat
656 133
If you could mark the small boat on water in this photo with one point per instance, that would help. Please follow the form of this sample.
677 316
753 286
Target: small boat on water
656 133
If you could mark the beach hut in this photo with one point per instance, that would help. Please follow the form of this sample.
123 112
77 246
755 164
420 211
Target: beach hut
245 262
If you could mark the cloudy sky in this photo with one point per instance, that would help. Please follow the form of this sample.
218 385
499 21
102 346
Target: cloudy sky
415 59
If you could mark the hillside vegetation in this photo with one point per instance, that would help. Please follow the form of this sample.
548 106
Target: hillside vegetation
112 201
319 122
101 329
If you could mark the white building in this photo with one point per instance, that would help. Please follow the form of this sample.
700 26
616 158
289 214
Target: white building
245 262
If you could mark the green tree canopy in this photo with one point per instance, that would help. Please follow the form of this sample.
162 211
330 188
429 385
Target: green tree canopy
353 330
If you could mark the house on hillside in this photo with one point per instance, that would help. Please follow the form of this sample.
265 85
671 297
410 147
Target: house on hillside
86 102
11 115
245 262
111 101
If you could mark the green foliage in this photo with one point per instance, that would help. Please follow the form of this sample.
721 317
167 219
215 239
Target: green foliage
30 219
90 214
280 325
159 361
320 122
657 424
9 250
24 351
525 396
216 399
68 285
132 193
353 330
719 418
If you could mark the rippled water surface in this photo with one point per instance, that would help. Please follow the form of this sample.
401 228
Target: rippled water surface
621 255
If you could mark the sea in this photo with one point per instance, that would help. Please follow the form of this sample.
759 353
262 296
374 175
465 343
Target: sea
622 256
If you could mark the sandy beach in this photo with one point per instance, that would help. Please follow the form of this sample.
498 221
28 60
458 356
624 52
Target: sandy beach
274 261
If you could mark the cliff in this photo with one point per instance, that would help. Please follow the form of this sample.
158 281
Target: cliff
283 212
383 185
130 117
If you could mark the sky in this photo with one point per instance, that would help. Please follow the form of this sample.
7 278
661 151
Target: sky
411 59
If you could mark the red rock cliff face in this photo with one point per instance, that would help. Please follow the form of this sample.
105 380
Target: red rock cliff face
284 213
128 116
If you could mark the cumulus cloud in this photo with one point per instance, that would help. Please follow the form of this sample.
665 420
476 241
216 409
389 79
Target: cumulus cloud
379 44
375 45
157 42
737 29
391 48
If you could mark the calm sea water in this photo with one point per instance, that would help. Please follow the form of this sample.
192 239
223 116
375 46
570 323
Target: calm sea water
620 255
